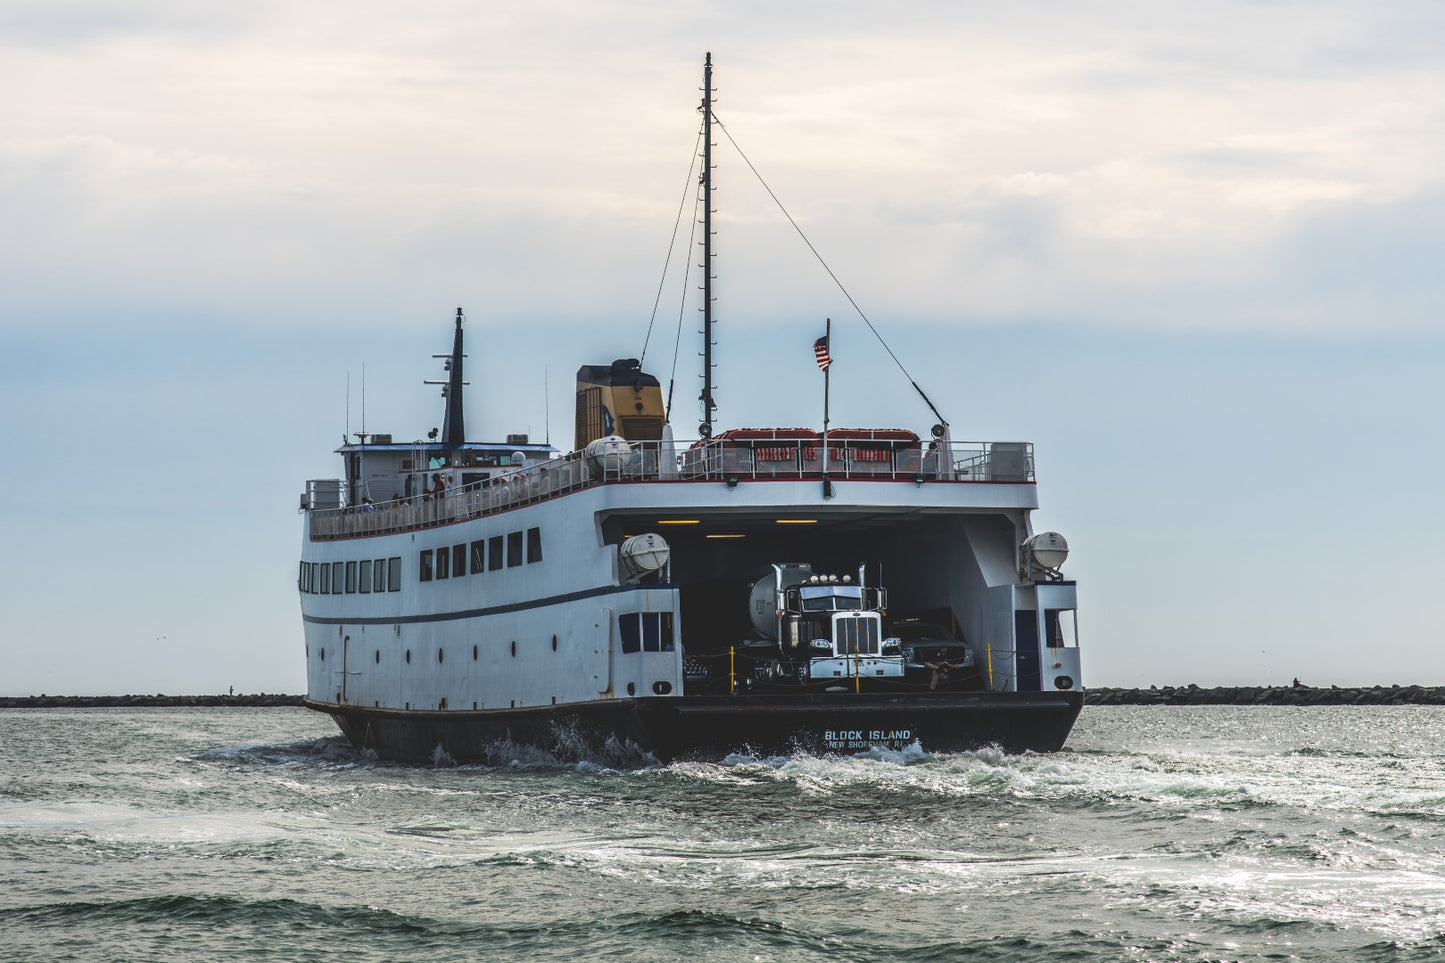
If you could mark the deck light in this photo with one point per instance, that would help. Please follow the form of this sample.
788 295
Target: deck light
796 521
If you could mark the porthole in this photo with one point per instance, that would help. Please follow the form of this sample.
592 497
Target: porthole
554 643
378 657
631 689
408 656
474 653
514 648
662 687
323 655
439 655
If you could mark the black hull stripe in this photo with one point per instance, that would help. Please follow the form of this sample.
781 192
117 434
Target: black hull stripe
477 613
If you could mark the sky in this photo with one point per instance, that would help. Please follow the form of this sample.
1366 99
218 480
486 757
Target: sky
1189 250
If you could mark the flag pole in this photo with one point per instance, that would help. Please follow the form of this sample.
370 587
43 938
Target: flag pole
827 340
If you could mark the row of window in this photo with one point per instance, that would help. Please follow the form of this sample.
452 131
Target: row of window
384 574
349 578
486 555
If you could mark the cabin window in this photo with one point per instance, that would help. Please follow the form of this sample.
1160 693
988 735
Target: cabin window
479 556
350 578
494 553
336 578
301 578
1061 627
363 577
514 549
325 579
645 631
315 574
444 563
629 630
534 545
459 560
424 564
378 576
393 574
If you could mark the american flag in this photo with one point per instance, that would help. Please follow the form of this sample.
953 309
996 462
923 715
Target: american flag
820 351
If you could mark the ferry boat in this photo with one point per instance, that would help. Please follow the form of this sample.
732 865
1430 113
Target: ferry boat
754 590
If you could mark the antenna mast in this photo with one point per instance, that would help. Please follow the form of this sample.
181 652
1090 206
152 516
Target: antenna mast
705 429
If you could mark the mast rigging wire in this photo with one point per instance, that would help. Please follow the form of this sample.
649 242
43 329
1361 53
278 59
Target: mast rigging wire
681 310
667 262
728 134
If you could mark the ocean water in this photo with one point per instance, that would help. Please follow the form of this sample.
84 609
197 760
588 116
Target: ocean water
1160 833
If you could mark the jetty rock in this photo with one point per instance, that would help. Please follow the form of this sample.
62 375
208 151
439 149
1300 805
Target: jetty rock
1285 695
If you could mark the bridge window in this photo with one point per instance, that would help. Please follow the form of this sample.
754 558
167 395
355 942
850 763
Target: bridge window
494 553
378 576
364 576
393 574
534 545
479 556
459 560
350 578
514 549
443 564
315 569
336 578
424 563
325 579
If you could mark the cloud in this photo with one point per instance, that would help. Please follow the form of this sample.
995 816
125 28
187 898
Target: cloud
1094 161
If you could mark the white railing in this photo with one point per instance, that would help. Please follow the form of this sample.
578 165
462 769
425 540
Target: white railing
726 460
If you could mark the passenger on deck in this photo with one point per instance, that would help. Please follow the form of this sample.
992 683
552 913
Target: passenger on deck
367 505
439 486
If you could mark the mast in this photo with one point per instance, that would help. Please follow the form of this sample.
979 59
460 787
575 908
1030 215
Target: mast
705 429
453 428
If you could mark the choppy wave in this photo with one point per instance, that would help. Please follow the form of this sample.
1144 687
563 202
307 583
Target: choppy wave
1201 834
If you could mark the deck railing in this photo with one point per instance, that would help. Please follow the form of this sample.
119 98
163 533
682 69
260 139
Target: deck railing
725 460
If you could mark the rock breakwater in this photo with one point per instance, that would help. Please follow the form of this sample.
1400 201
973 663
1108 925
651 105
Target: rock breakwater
1284 695
1169 695
261 700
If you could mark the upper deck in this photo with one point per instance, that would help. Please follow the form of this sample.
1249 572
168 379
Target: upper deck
762 459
